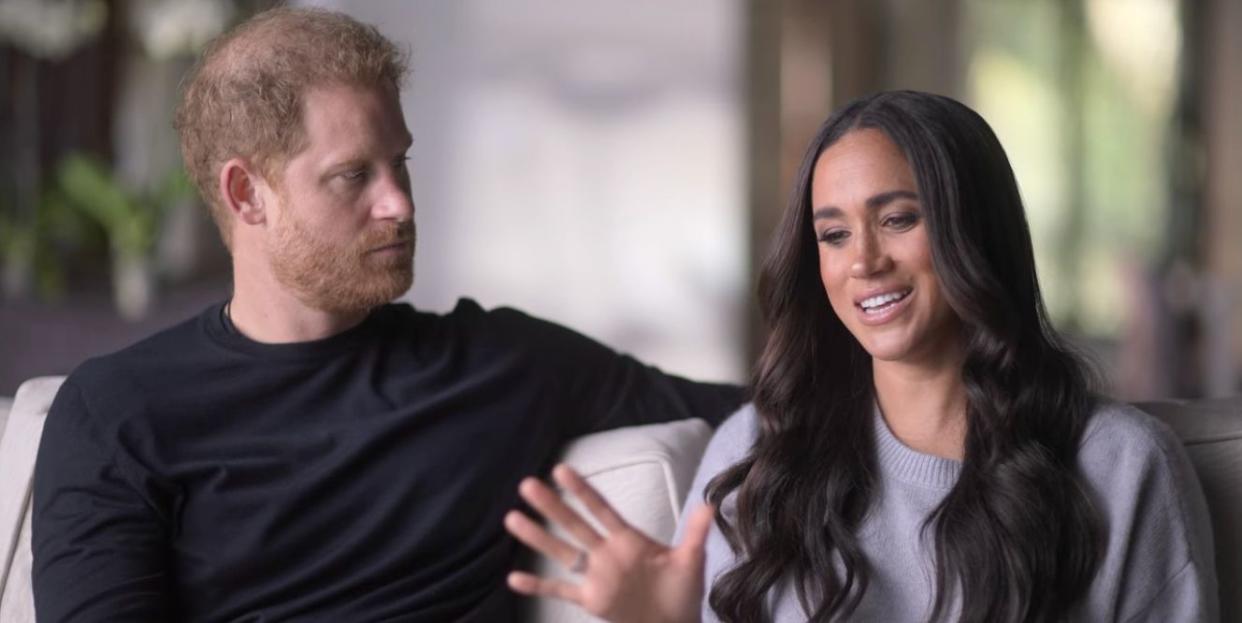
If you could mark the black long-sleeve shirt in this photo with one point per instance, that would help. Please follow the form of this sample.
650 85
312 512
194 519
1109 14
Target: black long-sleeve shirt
201 476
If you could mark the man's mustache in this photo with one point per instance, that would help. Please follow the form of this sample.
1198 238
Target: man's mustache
388 234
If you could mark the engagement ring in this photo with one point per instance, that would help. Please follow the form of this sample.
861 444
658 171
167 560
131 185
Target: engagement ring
580 563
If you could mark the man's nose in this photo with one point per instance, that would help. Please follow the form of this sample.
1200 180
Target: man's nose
394 202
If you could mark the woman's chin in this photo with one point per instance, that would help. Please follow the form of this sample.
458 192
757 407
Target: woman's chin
888 355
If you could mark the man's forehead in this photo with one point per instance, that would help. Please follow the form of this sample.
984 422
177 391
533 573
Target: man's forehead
346 117
343 104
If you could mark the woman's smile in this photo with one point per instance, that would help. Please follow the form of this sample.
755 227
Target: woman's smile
879 308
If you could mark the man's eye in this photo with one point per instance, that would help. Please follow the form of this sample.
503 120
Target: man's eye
354 175
834 237
400 162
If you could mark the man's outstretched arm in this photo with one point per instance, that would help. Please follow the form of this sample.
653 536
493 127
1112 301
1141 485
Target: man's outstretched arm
602 389
100 550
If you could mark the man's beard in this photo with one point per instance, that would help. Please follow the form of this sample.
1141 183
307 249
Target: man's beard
336 279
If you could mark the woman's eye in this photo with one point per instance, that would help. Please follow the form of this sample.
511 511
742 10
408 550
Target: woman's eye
834 237
902 221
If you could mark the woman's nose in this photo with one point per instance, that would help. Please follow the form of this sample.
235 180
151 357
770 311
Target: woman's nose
870 257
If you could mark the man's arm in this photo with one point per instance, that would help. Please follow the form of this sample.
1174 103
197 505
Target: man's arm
99 548
602 389
617 390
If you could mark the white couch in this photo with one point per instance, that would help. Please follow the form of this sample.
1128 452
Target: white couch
645 471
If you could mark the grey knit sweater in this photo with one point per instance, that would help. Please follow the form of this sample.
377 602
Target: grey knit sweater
1158 563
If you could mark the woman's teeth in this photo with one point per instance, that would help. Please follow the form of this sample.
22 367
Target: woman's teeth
882 301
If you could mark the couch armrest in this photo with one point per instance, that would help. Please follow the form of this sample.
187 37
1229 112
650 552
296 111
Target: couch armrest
18 447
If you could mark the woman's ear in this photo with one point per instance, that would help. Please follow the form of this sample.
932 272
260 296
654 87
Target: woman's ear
240 188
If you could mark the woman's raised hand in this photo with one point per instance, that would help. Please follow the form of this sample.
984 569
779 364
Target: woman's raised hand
626 575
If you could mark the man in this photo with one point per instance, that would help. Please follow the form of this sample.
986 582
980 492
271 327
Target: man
308 451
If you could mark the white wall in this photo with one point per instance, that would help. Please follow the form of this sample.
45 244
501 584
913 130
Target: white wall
582 161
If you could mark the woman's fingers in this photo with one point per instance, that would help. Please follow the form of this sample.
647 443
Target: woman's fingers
591 499
534 585
697 527
538 539
550 505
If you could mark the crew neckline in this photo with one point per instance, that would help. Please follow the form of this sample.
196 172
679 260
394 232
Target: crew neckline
222 331
899 461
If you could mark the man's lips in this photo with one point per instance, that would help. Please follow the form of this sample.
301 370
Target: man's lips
395 246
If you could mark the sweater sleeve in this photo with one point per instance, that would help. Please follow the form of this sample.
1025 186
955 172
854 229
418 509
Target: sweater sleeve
1159 562
1182 598
98 546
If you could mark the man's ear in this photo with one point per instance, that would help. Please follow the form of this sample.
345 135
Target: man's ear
241 189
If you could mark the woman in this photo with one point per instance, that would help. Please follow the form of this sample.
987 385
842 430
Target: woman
924 446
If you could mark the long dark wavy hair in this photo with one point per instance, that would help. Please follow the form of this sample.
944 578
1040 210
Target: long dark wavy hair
1016 537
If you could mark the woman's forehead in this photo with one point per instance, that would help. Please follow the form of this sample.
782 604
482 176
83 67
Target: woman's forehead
859 165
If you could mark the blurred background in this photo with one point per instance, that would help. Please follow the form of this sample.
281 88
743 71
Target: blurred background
619 166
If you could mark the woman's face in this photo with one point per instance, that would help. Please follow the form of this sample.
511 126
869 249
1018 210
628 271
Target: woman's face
874 255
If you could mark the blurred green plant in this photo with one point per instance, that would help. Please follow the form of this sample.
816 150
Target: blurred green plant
36 246
131 218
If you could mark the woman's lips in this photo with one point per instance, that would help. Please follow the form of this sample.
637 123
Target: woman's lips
884 312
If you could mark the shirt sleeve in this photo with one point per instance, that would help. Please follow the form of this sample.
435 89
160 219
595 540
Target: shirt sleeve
99 548
600 389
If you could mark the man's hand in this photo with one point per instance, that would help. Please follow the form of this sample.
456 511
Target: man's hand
626 576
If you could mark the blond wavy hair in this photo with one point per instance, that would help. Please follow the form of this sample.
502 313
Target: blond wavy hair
243 98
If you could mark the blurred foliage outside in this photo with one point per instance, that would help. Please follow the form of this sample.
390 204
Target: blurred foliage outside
57 220
1081 96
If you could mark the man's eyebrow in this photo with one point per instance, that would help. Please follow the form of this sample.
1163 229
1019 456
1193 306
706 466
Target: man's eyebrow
354 159
873 203
343 164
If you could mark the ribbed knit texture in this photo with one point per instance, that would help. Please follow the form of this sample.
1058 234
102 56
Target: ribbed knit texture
899 462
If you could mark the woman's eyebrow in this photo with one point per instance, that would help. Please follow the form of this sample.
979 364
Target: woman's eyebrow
873 203
883 199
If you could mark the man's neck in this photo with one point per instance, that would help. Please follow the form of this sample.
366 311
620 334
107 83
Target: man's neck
265 311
